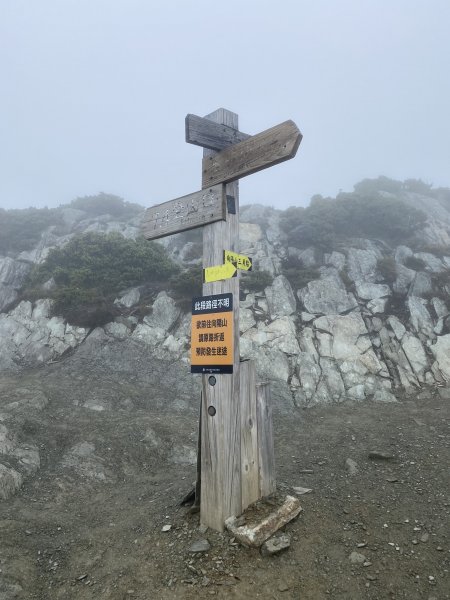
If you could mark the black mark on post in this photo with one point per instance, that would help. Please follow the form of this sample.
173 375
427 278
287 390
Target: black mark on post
231 205
211 411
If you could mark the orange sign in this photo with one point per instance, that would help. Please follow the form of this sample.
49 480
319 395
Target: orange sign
212 334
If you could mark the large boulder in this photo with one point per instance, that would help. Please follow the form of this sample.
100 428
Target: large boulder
327 296
441 351
12 276
280 298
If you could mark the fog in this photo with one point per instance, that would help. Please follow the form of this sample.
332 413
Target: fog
94 94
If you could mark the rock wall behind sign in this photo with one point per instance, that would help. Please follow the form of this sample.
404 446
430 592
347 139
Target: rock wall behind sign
363 320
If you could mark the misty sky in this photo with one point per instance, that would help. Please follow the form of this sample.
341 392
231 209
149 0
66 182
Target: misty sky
94 93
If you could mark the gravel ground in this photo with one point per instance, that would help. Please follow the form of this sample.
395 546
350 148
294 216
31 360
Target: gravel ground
93 521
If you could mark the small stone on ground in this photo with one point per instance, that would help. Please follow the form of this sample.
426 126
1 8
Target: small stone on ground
200 546
276 544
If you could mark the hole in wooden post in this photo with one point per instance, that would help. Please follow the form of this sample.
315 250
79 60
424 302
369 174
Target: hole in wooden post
211 411
212 380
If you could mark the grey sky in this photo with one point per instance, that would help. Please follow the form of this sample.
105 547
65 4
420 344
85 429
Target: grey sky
95 93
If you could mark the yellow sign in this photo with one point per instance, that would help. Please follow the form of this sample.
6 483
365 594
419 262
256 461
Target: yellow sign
242 262
219 272
212 334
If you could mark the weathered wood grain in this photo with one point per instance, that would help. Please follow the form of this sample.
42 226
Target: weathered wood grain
258 152
208 134
221 441
249 435
194 210
267 484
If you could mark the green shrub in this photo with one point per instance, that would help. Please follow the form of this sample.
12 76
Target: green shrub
387 268
22 229
92 268
299 276
418 186
187 284
416 264
102 204
327 222
256 281
379 184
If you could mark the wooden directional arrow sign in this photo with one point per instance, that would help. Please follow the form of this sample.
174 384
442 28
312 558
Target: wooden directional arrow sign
258 152
194 210
219 272
240 261
208 134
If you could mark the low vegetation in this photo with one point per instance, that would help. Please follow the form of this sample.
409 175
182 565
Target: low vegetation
297 274
366 212
186 285
256 281
22 229
414 263
93 268
102 204
387 267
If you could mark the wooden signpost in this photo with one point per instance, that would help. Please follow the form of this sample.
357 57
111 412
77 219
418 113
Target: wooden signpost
236 445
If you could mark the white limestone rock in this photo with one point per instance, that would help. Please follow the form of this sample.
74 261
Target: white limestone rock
402 253
404 279
308 257
309 373
336 260
377 305
371 291
421 285
326 296
350 339
421 319
12 276
433 263
307 343
152 336
441 351
246 320
280 298
416 355
440 307
249 235
279 334
397 327
165 313
362 264
119 331
129 299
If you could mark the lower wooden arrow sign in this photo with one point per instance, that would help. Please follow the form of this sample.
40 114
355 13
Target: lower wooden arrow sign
258 152
219 272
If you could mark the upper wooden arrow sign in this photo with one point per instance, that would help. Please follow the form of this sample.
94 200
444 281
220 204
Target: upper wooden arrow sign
211 135
254 154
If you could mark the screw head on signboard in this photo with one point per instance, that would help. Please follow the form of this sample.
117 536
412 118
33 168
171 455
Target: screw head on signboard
211 411
212 380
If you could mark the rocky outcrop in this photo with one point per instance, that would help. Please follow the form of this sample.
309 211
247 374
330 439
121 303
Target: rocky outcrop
12 276
31 336
348 334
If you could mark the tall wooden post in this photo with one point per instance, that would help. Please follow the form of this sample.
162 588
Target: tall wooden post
236 445
221 495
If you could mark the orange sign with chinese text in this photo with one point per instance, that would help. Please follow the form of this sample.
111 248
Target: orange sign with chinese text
212 334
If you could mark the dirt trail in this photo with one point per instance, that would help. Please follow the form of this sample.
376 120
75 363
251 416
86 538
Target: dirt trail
89 523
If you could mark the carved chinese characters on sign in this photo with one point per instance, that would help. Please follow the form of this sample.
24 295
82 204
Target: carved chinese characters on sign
187 212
